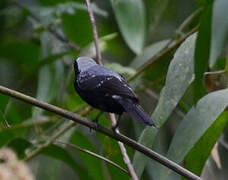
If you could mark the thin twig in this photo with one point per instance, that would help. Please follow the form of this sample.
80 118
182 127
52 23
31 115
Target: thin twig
215 72
5 120
92 154
53 32
126 158
95 34
161 54
188 20
118 136
112 117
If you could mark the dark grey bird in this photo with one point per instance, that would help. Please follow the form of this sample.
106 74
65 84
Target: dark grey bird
106 90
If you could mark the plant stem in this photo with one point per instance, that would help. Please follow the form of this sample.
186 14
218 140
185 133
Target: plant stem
112 117
118 136
123 150
95 34
161 54
188 20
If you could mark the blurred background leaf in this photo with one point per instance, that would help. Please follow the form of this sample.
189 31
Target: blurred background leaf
130 16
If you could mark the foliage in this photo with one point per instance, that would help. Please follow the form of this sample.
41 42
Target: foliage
177 50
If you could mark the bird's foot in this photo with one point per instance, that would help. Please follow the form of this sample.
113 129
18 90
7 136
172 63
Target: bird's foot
96 125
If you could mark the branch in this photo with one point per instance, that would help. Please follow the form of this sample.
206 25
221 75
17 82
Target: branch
112 117
126 158
95 34
93 154
188 20
119 137
53 32
161 54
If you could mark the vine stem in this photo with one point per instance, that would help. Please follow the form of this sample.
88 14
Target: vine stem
117 136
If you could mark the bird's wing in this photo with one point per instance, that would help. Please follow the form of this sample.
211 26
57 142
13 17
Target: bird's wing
105 84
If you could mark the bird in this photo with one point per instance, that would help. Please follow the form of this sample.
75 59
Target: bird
107 91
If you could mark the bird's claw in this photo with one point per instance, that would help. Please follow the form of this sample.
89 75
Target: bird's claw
96 125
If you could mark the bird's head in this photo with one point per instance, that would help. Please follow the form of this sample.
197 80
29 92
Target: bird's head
82 64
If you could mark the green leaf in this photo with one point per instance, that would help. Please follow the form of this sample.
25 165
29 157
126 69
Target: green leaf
140 161
6 137
8 134
195 124
19 145
202 51
130 16
219 36
196 158
4 101
22 53
93 165
78 28
179 77
63 155
111 151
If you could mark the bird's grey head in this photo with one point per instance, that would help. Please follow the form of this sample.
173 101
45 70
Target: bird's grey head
82 64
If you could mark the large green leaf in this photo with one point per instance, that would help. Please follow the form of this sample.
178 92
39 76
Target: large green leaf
179 77
130 16
219 36
63 155
112 151
6 137
78 27
93 165
146 138
197 157
195 124
202 51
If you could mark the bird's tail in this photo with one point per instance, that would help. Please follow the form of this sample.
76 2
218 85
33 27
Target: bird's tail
135 111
